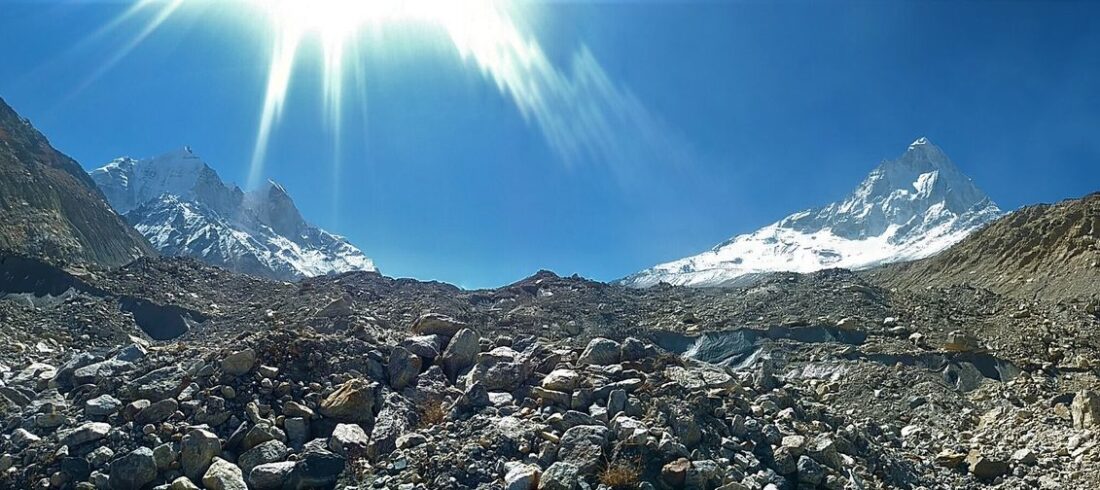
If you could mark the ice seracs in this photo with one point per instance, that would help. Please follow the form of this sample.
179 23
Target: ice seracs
906 209
184 209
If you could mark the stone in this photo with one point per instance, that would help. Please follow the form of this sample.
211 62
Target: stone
426 346
616 402
347 438
1085 410
410 440
164 455
239 362
1025 456
336 308
551 397
272 451
352 402
197 449
500 369
91 431
810 471
583 446
261 433
461 352
270 476
95 372
437 324
134 470
223 475
156 385
316 468
959 341
403 368
601 352
101 406
561 380
102 455
985 468
295 409
674 474
636 350
297 431
560 476
157 412
521 477
183 483
22 438
131 353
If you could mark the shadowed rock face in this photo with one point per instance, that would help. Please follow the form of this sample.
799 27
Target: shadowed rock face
49 207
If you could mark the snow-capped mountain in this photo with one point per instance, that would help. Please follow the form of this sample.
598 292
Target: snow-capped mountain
184 209
906 209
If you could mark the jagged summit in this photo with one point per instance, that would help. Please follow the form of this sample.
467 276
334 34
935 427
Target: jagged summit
907 208
184 208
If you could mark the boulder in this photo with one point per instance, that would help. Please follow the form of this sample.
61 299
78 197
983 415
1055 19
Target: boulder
270 476
583 446
239 362
426 346
560 476
347 438
437 324
1085 409
101 406
197 449
352 402
983 467
272 451
156 385
157 412
601 352
403 367
461 352
134 470
316 468
521 476
561 380
501 369
91 431
223 475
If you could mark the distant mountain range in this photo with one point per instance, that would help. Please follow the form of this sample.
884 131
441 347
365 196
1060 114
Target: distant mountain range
908 208
49 208
184 209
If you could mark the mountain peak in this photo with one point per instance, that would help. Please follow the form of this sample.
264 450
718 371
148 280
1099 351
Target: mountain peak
906 208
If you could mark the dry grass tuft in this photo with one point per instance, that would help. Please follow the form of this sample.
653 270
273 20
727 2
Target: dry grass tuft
433 414
620 476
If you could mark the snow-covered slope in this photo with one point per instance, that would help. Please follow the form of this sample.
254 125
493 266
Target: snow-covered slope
183 208
906 209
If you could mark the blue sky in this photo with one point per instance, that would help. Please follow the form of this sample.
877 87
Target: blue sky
711 118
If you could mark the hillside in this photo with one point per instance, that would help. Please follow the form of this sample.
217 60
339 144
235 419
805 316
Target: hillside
1046 251
50 208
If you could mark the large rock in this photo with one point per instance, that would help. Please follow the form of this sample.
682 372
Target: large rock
347 438
560 476
403 367
223 475
239 362
157 412
93 373
270 476
984 467
1085 409
583 446
316 468
521 477
601 352
501 369
395 419
426 346
561 380
156 385
352 402
437 324
461 352
134 470
91 431
272 451
101 406
197 449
